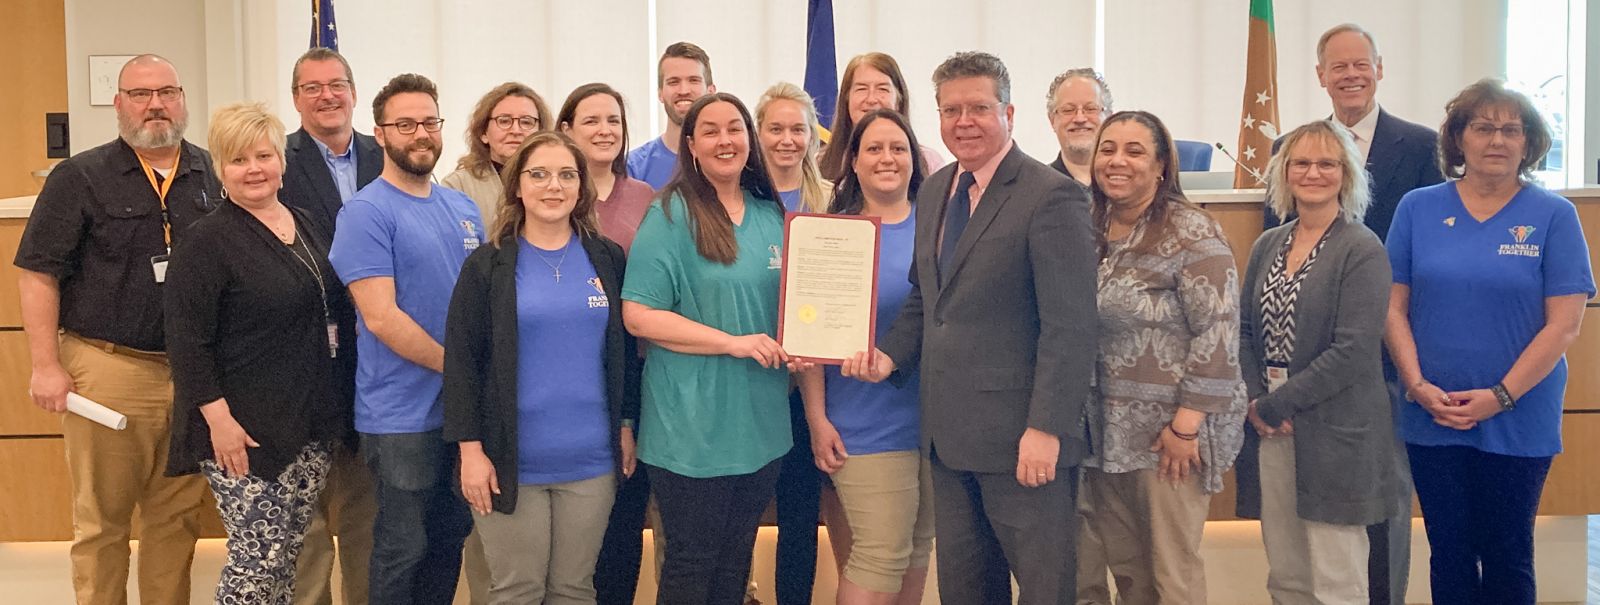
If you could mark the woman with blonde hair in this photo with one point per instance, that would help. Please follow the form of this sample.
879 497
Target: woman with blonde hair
502 119
262 343
786 126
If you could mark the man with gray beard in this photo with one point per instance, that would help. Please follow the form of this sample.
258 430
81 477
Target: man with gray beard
92 260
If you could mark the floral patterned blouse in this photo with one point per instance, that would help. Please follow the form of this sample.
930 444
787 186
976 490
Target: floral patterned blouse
1169 338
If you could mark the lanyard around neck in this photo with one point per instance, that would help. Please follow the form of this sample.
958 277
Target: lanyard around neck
162 187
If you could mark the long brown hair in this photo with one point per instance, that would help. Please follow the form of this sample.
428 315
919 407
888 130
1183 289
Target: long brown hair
511 215
713 228
847 196
477 160
1168 192
832 164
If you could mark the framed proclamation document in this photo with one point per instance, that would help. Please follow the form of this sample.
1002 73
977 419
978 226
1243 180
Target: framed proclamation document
828 297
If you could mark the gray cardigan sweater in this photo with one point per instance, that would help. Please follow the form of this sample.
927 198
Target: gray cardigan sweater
1345 452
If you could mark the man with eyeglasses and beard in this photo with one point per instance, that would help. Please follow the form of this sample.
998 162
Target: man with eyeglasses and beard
93 259
398 245
326 163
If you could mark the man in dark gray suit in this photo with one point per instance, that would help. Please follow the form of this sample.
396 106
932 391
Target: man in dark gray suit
1001 318
327 161
1400 156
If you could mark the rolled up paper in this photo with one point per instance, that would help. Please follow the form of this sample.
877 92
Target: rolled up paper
100 414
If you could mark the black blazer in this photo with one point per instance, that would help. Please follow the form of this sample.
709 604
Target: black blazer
480 357
1403 156
308 185
1007 341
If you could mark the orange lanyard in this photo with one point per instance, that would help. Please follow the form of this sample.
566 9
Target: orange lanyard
161 191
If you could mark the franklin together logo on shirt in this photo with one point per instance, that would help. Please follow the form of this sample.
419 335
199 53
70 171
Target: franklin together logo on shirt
1521 248
598 302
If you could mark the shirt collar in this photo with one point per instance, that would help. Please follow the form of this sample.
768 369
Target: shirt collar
983 174
349 150
1367 125
191 160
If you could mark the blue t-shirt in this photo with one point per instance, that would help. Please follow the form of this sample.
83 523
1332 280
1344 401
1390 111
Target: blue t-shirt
421 243
874 418
1477 299
790 199
653 163
562 418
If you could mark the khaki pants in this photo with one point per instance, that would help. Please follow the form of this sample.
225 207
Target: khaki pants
888 501
1309 563
1151 533
545 551
112 472
475 567
1094 585
347 507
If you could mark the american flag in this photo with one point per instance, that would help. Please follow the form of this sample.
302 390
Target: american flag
1259 118
323 32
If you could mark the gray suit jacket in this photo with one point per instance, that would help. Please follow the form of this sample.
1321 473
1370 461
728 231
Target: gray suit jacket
1345 467
1008 341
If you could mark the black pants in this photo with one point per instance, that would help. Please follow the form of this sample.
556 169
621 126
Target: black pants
799 493
711 528
616 573
987 522
1478 509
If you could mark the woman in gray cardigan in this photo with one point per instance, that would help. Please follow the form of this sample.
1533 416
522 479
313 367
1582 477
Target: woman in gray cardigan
1311 328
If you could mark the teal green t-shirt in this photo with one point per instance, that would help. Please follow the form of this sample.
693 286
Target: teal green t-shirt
711 415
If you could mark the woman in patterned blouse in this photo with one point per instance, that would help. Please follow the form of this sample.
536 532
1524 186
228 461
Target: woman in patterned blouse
1311 334
1168 380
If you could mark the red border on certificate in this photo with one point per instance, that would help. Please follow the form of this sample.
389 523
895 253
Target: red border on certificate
872 304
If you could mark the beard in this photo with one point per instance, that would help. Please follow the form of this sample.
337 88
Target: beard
142 133
401 155
1083 147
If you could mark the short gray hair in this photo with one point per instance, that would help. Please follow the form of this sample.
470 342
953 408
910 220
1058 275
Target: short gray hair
1322 43
1087 73
1354 192
974 64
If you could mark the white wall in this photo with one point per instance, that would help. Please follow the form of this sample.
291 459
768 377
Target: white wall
174 29
1183 60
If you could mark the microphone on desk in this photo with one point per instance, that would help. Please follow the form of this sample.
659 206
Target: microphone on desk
1260 178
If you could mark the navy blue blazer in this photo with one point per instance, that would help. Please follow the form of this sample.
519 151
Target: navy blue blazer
308 184
1404 156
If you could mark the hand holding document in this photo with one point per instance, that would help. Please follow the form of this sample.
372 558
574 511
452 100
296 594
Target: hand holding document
100 414
829 294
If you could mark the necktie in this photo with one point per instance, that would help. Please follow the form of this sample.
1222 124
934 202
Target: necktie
956 214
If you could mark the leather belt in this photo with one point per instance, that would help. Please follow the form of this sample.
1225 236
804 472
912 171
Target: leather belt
124 350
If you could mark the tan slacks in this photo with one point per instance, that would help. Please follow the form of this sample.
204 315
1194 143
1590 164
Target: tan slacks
346 509
112 472
1094 584
1150 531
1309 563
545 551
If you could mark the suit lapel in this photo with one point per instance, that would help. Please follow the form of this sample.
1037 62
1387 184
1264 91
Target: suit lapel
1381 157
994 196
369 159
308 160
929 224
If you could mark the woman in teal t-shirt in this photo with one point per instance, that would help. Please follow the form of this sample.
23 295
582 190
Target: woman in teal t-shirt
703 288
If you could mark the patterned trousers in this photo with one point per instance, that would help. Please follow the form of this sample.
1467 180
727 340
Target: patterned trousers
266 521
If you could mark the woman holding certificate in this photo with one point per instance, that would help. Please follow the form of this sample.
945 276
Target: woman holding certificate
262 346
703 289
864 435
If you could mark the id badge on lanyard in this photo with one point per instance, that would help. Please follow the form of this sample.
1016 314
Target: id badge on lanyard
158 263
1276 376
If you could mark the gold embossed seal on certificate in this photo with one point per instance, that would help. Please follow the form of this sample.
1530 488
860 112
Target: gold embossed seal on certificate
828 298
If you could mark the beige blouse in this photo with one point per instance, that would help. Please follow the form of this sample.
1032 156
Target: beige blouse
1169 338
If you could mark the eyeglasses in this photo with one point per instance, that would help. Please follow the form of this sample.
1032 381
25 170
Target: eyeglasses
410 126
981 110
1512 132
1072 110
505 121
540 176
167 94
314 89
1321 165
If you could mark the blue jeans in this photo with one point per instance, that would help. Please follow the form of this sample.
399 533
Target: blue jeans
421 523
1478 509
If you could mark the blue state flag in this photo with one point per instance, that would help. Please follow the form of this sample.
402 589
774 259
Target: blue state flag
822 65
323 32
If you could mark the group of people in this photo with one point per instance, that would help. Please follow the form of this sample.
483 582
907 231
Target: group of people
511 370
